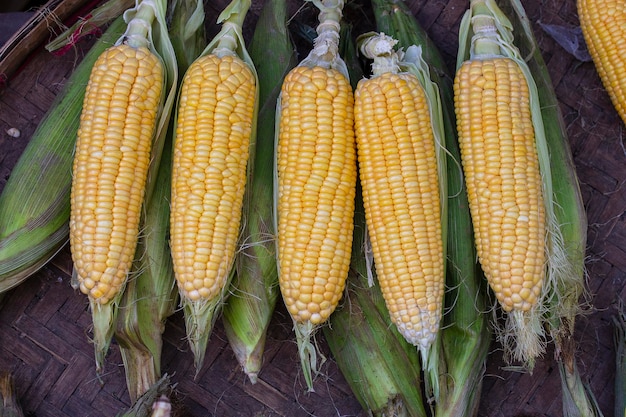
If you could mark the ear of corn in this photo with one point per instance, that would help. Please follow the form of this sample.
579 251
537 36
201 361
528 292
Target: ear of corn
120 138
465 335
402 167
151 296
215 135
499 150
569 290
35 206
381 367
524 337
254 290
316 178
603 24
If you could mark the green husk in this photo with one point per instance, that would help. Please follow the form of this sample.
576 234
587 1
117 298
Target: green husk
619 337
150 296
380 366
254 289
200 315
187 30
465 335
146 25
99 16
35 203
9 405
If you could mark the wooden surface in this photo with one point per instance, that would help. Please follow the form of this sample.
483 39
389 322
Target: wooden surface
44 337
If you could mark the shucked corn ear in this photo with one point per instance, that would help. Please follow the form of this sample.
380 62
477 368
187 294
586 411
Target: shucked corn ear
569 291
465 337
151 296
215 133
502 175
508 176
254 289
120 135
111 165
316 174
381 367
603 24
402 167
35 204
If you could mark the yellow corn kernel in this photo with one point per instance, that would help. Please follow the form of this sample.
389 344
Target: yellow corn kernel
603 24
503 180
110 166
399 178
211 152
316 189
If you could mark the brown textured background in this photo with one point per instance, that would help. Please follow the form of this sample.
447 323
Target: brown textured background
44 338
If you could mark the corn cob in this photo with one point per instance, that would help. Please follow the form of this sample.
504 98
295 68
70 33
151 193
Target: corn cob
123 167
523 195
381 367
402 170
127 103
151 296
254 290
316 173
34 209
569 288
215 134
603 24
465 334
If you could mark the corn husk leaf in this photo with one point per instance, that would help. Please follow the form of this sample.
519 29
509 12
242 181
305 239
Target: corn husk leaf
254 290
187 30
380 366
35 204
152 13
155 398
200 315
150 296
88 24
465 335
9 405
